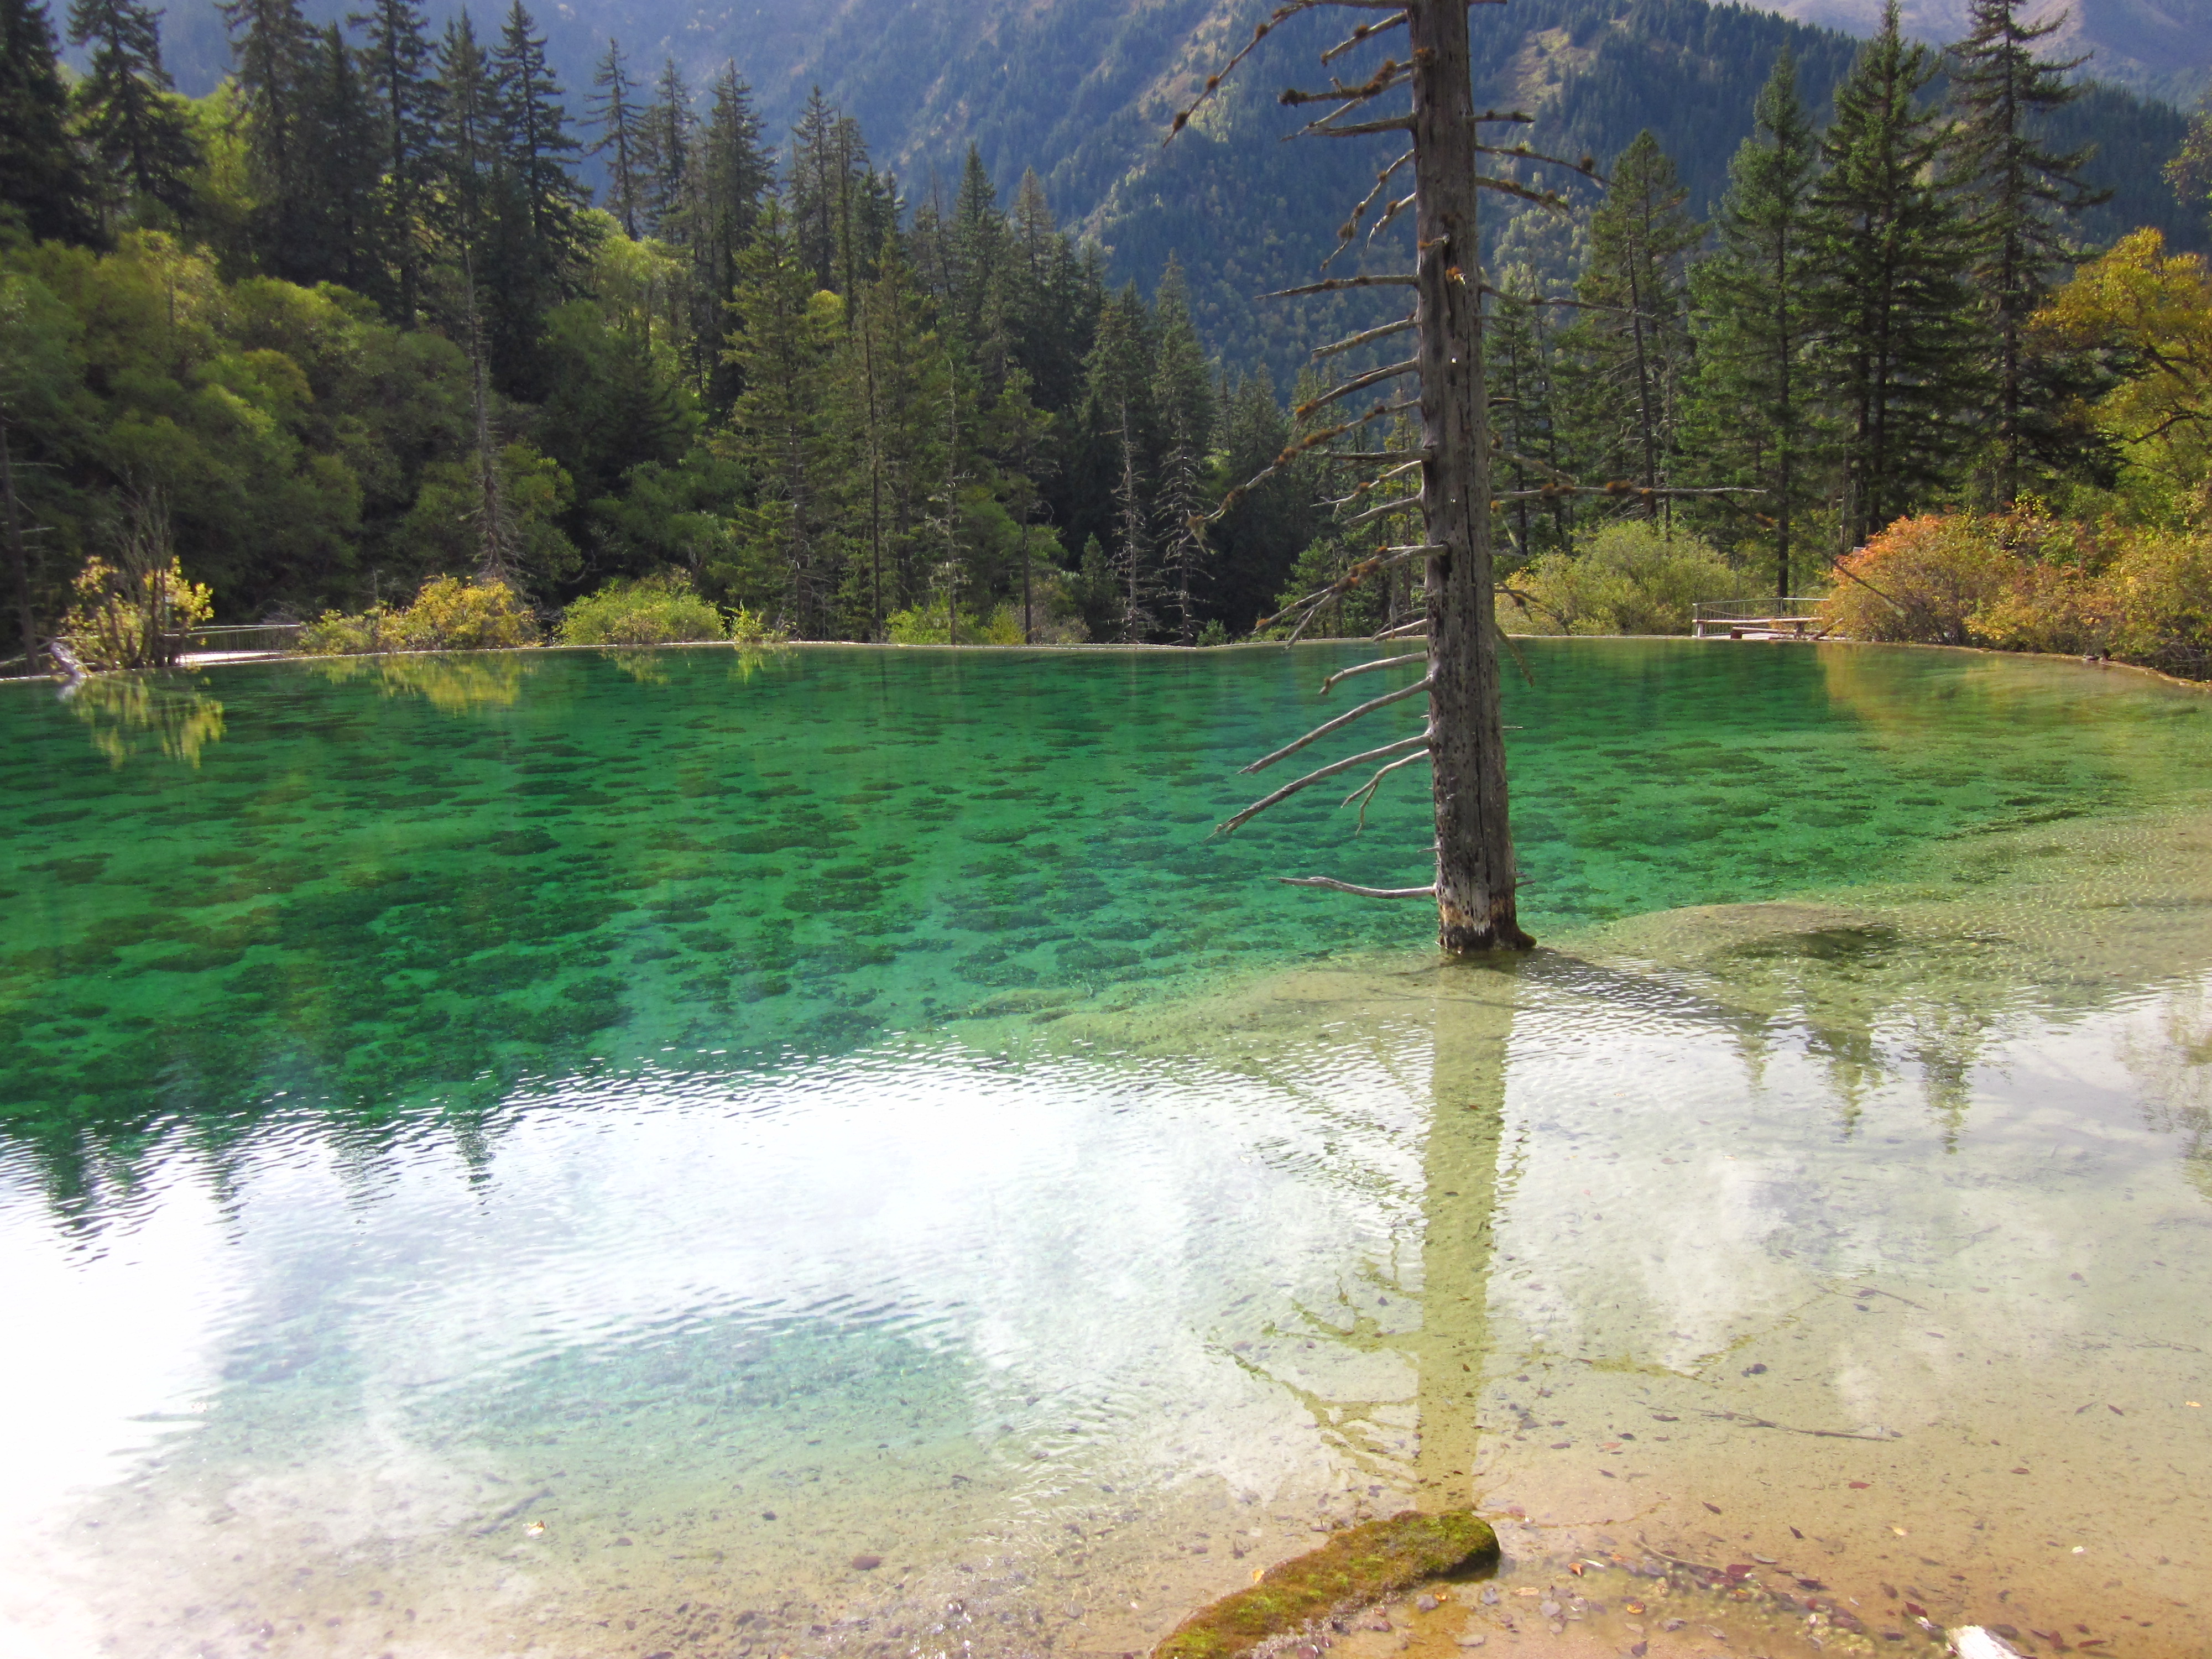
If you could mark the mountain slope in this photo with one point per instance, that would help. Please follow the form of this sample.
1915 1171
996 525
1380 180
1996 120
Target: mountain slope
1083 93
2162 47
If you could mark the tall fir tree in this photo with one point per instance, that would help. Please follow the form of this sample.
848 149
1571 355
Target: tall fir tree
43 185
787 558
273 48
397 65
535 248
338 167
1630 352
667 136
614 112
1518 356
731 176
2018 189
1750 420
1892 303
135 126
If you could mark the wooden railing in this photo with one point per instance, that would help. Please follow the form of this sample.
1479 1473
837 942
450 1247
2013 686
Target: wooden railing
1795 618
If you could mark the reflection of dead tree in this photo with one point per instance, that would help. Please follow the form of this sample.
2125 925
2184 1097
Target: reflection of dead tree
1463 740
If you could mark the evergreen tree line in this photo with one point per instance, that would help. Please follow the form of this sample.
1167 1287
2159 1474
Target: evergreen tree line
355 319
1846 342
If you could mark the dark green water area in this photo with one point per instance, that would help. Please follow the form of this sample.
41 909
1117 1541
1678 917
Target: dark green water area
379 886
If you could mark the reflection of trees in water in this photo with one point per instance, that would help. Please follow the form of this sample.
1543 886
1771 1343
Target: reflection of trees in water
1462 1017
456 682
134 715
2175 1074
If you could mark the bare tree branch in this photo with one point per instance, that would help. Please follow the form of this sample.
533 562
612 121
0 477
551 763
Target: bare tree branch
1366 793
1331 284
1587 166
1350 228
1357 129
1373 377
1340 722
1229 826
1360 36
1361 488
1372 456
1391 74
1383 559
1367 335
1412 630
1336 886
1372 667
1213 80
1383 509
1506 186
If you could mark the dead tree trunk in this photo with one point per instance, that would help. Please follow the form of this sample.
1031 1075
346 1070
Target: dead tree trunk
1475 876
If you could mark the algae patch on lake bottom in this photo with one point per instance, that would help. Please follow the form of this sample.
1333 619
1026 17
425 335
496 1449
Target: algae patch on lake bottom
1856 1238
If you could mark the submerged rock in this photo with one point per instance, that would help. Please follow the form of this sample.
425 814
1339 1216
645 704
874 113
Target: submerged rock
1355 1568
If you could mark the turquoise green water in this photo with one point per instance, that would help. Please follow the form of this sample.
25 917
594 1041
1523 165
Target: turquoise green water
384 886
824 1153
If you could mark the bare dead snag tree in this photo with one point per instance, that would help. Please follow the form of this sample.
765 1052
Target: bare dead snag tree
1463 740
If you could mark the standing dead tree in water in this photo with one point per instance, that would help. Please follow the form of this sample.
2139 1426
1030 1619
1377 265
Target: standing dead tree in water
1463 740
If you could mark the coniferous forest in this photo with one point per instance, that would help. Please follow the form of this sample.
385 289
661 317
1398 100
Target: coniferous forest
354 322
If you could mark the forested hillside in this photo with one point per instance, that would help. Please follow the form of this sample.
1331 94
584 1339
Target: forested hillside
397 304
1081 93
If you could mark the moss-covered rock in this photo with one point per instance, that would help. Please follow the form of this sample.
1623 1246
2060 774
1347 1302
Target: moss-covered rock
1354 1568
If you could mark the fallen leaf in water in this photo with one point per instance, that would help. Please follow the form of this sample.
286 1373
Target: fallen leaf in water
1915 1609
1715 1508
1861 1486
2115 1410
867 1563
1633 1607
1575 1568
1794 1533
1900 1532
535 1529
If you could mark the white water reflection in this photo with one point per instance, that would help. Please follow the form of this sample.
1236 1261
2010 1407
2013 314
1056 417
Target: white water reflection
1792 1240
863 1287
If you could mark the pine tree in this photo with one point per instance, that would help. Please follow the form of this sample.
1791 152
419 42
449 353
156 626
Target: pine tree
614 110
669 124
1629 353
273 47
135 126
1749 419
43 185
338 167
1133 555
2016 189
1182 385
1518 356
779 430
397 66
731 177
533 249
1891 307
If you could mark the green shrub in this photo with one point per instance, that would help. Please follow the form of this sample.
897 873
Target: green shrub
447 615
1630 577
657 610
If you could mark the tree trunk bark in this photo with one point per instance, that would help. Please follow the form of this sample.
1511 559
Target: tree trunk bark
1474 843
18 559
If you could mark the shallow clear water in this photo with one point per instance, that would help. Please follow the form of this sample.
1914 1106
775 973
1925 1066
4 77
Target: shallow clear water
644 1095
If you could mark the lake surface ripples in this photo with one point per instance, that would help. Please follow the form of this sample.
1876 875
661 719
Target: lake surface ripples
815 1150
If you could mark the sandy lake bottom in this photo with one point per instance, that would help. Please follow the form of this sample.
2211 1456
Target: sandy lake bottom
427 1228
